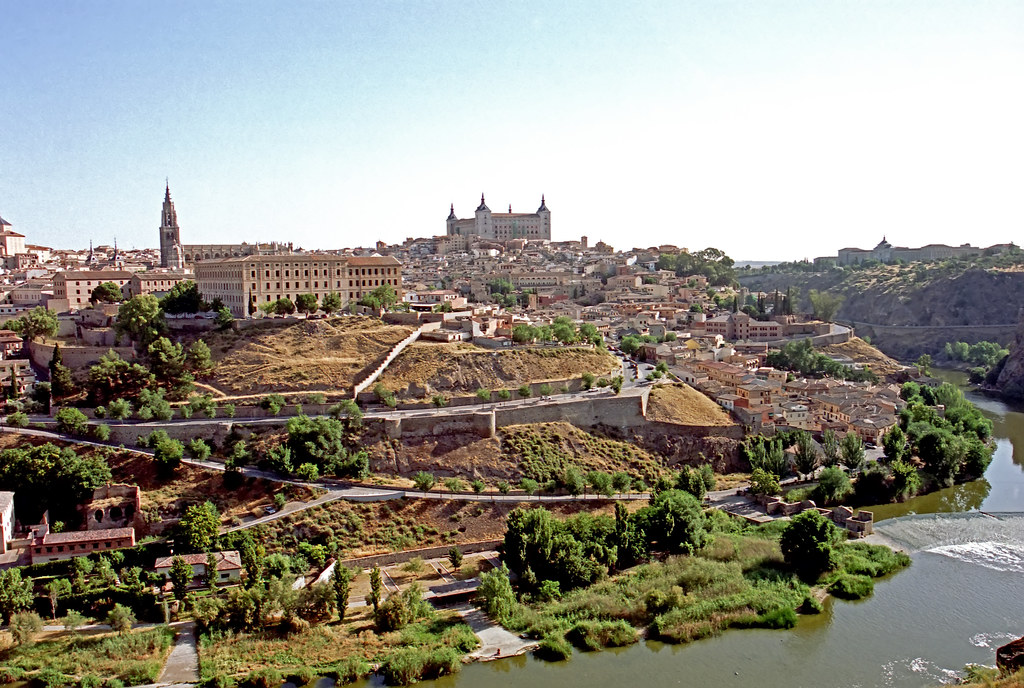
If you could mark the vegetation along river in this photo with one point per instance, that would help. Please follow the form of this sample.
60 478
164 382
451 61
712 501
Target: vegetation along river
962 597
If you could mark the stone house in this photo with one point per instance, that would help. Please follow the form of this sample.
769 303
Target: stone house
229 566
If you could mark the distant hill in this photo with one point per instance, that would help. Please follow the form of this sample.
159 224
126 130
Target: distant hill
912 309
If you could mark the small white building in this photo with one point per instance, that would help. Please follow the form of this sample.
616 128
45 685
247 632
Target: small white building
229 565
6 519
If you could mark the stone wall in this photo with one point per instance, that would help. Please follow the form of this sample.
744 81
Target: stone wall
424 553
74 356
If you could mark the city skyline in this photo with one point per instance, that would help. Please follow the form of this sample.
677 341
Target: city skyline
773 133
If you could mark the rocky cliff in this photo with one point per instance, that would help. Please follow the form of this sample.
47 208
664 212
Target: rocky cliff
1011 379
909 310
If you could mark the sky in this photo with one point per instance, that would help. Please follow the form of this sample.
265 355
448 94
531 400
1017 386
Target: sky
773 130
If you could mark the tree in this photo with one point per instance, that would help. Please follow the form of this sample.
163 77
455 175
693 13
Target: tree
325 443
224 318
676 521
252 554
115 378
198 360
763 482
61 382
852 451
168 364
483 394
121 618
924 364
341 579
423 481
524 391
806 458
141 319
306 303
73 620
829 448
601 483
376 584
15 593
284 306
273 403
331 303
55 589
25 626
49 477
184 297
588 380
107 292
824 304
808 542
168 454
197 529
198 449
455 557
383 296
38 322
496 592
181 578
833 485
894 444
71 421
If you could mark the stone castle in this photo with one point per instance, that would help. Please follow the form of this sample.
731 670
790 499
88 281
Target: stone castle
502 226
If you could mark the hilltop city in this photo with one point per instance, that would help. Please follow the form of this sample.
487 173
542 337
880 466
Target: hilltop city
401 458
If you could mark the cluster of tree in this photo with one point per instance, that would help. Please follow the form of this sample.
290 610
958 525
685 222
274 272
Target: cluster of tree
632 344
710 262
383 297
562 329
504 293
38 322
800 356
267 598
984 356
760 308
47 477
170 368
580 550
321 446
953 445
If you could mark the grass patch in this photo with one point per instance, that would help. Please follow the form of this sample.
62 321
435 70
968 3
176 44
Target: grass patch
342 651
134 659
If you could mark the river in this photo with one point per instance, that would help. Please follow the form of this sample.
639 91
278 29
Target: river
962 597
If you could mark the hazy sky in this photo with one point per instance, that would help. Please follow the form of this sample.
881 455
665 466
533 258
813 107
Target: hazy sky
772 130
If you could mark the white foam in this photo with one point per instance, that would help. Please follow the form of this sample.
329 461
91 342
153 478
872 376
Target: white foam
999 556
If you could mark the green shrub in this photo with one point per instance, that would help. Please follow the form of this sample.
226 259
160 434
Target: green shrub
852 587
784 617
554 648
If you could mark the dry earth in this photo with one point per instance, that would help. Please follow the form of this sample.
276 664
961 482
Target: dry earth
865 354
684 405
315 355
462 369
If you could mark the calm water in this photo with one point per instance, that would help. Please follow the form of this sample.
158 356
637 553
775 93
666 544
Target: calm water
962 597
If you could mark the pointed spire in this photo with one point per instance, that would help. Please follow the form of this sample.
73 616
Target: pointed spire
451 213
483 204
167 192
509 208
543 205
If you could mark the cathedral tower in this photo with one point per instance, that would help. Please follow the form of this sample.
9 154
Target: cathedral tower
171 255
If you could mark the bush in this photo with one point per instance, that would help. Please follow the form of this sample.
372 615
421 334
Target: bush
850 586
308 472
783 617
101 432
25 626
71 421
554 648
807 544
833 485
198 449
763 482
478 486
423 481
528 486
273 403
17 420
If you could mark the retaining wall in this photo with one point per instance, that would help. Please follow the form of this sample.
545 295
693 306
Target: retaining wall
424 553
74 356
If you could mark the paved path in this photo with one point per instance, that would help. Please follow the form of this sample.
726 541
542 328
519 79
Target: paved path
495 641
183 663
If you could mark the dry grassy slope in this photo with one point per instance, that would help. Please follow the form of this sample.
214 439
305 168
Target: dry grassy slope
310 355
863 353
536 451
461 369
686 406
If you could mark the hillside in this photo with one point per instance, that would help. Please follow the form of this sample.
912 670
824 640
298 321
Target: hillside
865 354
921 305
683 405
458 369
306 356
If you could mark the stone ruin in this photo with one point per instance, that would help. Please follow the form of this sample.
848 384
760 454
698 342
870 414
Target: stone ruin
113 506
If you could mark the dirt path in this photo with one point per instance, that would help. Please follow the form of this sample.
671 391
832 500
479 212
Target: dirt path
495 641
183 663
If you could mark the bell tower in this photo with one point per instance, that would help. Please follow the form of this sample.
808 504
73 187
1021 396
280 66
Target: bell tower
170 238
